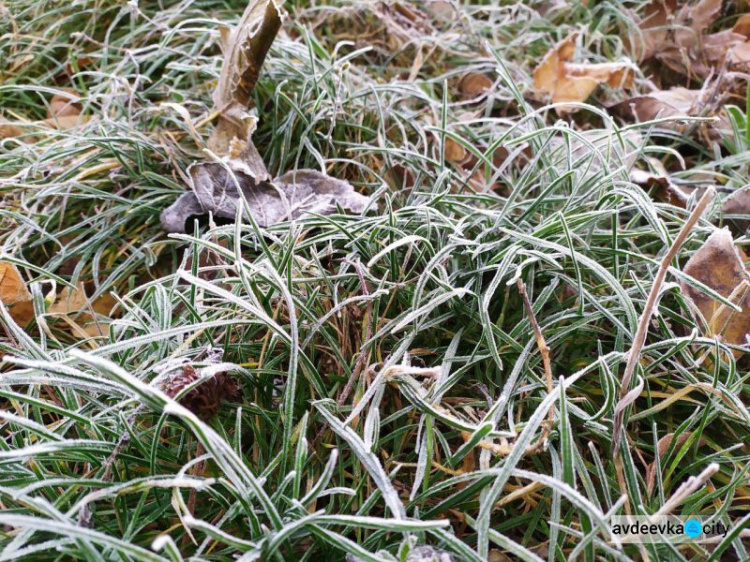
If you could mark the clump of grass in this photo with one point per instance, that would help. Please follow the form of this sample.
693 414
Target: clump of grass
394 394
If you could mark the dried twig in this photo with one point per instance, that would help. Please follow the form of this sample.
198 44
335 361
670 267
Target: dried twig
643 323
544 350
363 358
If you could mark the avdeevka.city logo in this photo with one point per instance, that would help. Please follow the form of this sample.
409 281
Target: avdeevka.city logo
666 528
693 528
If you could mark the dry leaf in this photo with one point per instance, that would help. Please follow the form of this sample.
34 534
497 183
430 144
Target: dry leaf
653 26
680 41
15 295
498 556
9 130
76 309
742 25
287 197
736 208
245 48
66 122
205 399
441 10
719 264
454 152
662 446
70 302
473 85
569 82
66 104
219 188
62 123
663 30
692 21
660 185
667 103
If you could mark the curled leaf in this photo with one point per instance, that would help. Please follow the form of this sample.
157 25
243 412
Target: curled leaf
675 102
720 265
218 190
245 48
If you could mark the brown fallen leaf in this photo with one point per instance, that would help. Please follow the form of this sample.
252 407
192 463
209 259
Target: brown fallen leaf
742 25
442 10
565 81
693 20
664 28
498 556
662 446
676 35
660 185
736 208
63 113
72 301
81 313
220 188
666 103
473 85
66 104
62 123
454 152
66 122
9 130
15 295
720 265
205 399
653 29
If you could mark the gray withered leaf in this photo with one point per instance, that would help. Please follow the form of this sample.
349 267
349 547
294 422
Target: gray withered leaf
218 189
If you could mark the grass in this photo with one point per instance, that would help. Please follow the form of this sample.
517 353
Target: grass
415 301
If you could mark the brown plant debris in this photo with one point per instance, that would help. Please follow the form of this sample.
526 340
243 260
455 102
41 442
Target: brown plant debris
219 187
473 85
566 81
675 34
15 295
720 265
245 48
205 399
662 447
219 191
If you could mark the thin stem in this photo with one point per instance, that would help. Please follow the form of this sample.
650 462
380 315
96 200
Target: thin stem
648 311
